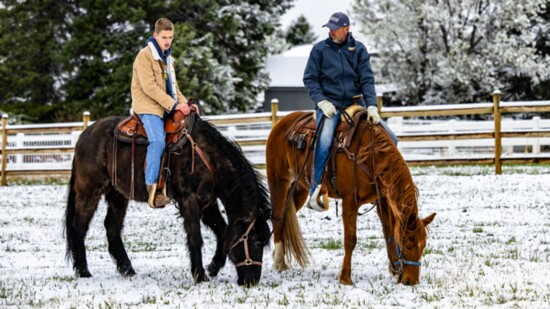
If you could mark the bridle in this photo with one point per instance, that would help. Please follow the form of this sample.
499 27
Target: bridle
397 266
244 239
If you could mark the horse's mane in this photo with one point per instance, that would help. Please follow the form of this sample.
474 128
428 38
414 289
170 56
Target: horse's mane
400 191
248 182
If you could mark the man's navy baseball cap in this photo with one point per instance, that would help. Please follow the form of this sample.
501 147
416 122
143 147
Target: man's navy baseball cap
337 21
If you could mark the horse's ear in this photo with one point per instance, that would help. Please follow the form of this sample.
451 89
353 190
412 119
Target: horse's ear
428 219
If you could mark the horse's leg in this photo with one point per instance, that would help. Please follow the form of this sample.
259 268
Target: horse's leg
190 210
80 210
213 219
280 163
300 195
279 261
349 215
287 235
279 191
114 222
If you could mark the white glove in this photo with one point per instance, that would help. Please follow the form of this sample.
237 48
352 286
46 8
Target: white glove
373 114
328 108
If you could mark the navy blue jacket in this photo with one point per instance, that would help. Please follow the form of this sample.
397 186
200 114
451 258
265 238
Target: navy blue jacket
337 73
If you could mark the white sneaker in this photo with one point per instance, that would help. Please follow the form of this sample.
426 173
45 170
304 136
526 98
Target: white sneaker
314 201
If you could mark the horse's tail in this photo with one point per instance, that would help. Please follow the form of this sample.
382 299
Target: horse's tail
293 240
70 216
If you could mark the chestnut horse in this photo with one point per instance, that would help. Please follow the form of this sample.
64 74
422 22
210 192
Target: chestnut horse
404 231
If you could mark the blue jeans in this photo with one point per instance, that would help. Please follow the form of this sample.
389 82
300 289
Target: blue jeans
154 127
324 143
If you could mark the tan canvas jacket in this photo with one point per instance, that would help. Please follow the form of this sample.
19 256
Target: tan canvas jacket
149 85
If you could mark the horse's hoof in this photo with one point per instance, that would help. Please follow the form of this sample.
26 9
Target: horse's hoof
126 270
213 269
201 278
280 266
345 281
279 261
83 273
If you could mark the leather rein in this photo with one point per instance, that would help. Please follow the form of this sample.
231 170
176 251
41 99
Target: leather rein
397 266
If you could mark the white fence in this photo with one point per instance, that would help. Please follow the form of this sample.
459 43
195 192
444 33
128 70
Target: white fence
445 149
411 150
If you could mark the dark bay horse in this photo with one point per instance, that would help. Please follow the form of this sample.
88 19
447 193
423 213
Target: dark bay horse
191 183
404 231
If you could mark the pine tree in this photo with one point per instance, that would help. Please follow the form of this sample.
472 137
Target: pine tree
231 39
300 32
78 55
105 37
32 33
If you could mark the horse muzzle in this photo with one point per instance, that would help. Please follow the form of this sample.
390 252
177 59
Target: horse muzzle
249 276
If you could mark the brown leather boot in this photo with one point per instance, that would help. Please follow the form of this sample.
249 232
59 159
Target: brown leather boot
156 199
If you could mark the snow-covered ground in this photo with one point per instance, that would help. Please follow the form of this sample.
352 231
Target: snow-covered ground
488 247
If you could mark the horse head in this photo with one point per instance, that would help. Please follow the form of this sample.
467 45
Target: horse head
248 240
405 249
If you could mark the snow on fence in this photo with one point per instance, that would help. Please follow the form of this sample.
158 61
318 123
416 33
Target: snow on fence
435 148
46 149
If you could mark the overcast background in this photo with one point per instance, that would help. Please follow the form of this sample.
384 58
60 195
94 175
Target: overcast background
318 13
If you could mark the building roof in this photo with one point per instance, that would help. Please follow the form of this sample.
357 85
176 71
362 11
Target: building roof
287 69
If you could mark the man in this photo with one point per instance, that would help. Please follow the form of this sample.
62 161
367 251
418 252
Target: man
155 94
337 72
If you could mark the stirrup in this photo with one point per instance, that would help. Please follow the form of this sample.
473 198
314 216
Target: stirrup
314 202
156 199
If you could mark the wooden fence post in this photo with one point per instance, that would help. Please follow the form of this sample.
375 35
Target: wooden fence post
379 102
498 136
274 111
3 182
85 120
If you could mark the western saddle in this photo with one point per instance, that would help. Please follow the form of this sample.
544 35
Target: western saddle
300 136
178 127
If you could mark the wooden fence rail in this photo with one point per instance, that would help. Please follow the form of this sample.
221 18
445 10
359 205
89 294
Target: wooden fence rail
496 108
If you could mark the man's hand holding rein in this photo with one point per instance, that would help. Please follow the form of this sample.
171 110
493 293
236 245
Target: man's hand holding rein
373 114
327 107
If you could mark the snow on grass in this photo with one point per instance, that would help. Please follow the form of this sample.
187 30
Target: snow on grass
489 246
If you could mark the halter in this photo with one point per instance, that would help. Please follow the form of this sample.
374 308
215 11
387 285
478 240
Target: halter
247 260
401 262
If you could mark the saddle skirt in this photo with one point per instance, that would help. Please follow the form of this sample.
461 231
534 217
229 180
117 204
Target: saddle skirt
178 128
130 129
304 128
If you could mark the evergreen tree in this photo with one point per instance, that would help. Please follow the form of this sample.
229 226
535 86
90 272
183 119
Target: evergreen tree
84 52
105 36
457 50
32 33
235 34
300 32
